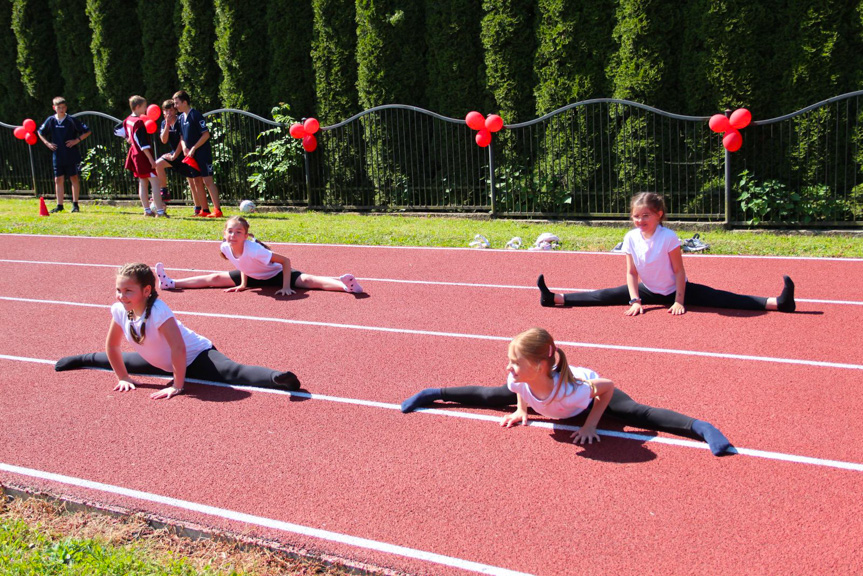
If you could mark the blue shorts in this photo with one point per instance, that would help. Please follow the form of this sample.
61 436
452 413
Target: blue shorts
67 169
177 166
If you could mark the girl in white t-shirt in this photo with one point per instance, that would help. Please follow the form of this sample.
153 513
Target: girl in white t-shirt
539 377
653 257
163 346
256 265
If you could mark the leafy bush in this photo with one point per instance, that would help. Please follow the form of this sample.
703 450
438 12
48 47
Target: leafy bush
771 201
275 156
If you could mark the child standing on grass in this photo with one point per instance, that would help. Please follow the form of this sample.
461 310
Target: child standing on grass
195 144
169 134
163 346
540 377
653 257
256 266
139 160
62 133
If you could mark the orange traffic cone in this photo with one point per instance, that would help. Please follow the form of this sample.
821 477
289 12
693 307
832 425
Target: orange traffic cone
43 210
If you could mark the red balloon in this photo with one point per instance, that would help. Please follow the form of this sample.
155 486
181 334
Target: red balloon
30 138
311 125
483 138
740 118
19 132
153 112
732 140
493 123
150 126
310 143
29 125
297 131
718 123
475 120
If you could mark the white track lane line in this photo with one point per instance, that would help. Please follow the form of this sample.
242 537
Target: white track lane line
262 521
639 349
393 280
841 464
449 248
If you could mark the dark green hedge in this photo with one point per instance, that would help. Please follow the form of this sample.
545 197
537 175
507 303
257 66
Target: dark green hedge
330 58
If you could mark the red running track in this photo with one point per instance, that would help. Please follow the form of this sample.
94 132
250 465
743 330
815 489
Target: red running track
453 491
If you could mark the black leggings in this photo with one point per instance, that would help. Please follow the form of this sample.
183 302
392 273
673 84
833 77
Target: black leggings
695 295
621 407
208 365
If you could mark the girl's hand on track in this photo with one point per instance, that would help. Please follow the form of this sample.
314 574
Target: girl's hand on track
125 385
585 433
284 292
635 310
166 392
236 289
677 309
514 418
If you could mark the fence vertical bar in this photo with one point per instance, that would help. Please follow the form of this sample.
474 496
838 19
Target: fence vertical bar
32 170
727 180
491 178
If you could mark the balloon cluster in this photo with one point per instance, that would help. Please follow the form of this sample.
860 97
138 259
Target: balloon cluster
484 126
26 132
153 113
739 119
306 133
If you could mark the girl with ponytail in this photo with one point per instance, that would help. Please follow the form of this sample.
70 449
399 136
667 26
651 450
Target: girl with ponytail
163 346
256 266
540 377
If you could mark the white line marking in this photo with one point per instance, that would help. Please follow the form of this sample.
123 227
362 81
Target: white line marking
494 250
844 465
395 280
641 349
263 521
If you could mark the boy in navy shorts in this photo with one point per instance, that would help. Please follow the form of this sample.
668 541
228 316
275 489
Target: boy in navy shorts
62 133
169 133
195 144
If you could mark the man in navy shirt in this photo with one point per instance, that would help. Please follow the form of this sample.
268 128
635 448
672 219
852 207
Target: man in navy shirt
62 133
195 144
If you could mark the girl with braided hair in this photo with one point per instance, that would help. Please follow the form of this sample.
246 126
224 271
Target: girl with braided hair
163 346
540 378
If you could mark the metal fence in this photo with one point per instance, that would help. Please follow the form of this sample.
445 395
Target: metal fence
584 160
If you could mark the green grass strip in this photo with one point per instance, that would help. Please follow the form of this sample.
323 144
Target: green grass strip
21 216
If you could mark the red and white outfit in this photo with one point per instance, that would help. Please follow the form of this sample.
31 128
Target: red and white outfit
138 139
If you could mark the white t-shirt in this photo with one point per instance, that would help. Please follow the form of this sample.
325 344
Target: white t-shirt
559 404
155 349
255 261
651 258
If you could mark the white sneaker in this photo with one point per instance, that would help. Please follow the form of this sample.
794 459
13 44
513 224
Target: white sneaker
480 241
514 244
546 241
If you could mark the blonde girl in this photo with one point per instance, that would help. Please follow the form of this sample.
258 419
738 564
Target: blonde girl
655 273
539 377
162 345
256 265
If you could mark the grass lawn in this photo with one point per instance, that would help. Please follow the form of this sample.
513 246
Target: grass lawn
21 216
41 538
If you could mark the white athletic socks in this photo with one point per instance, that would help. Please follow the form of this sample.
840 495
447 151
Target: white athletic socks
351 284
165 283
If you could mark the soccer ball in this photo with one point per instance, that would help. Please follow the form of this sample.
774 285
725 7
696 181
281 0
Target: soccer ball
247 206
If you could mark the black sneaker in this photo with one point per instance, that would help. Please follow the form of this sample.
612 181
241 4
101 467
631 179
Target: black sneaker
287 381
75 208
58 208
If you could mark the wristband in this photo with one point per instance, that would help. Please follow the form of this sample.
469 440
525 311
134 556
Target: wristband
634 300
